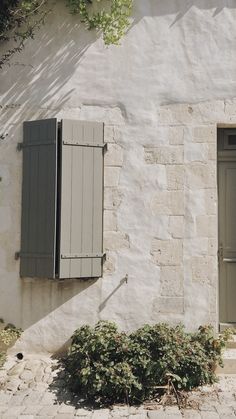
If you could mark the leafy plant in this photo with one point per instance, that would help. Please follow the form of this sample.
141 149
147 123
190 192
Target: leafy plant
8 336
19 19
106 366
112 19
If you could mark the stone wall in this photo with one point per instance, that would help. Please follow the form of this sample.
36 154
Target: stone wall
161 95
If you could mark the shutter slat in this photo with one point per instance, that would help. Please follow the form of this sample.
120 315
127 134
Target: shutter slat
87 226
77 203
81 199
38 231
65 222
97 209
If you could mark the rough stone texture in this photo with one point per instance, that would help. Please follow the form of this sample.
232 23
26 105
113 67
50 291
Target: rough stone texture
161 94
167 252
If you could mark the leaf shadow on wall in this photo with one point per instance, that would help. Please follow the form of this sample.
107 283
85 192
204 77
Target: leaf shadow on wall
29 89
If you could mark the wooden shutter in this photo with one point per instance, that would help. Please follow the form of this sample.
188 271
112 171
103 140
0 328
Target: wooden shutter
38 223
81 220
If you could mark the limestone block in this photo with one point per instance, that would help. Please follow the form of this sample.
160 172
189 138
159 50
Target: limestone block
111 176
213 299
164 155
114 240
110 220
175 114
109 134
207 226
212 247
204 269
173 305
168 203
176 226
205 134
195 203
230 107
212 151
200 269
175 177
211 201
114 155
200 175
197 246
195 152
176 135
112 198
171 281
167 252
109 264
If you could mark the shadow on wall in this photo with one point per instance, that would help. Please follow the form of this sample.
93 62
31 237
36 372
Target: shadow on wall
178 8
37 76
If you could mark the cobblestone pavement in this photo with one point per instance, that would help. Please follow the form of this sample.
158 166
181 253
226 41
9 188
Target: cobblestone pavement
31 389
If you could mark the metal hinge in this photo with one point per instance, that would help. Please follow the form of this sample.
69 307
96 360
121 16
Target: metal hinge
19 146
104 146
83 256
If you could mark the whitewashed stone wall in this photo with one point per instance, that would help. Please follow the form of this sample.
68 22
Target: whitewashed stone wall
161 95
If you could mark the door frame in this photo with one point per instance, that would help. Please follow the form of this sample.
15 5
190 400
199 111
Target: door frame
225 153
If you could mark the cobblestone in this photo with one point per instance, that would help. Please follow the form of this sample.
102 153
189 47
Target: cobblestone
26 392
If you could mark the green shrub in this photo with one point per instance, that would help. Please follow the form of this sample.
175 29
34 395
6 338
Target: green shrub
106 366
8 336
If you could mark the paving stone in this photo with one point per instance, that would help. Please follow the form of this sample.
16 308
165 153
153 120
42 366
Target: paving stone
224 410
156 414
16 370
49 410
47 399
13 384
43 417
32 410
26 417
64 416
191 414
33 397
13 411
66 409
83 413
5 398
101 414
27 375
209 415
207 406
232 416
171 410
17 399
119 411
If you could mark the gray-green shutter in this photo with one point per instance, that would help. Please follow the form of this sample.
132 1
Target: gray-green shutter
81 220
38 222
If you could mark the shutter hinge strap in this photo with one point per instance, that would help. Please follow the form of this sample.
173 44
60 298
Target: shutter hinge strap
104 146
83 255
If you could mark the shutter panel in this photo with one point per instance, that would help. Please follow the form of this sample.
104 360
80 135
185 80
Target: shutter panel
81 223
38 222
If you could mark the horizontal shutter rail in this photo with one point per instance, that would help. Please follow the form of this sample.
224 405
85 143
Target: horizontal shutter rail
35 255
34 144
83 255
104 145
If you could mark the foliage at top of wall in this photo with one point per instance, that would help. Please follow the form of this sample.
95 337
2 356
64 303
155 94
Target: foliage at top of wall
19 19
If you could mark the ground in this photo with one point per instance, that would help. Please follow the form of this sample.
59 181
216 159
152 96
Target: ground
33 388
